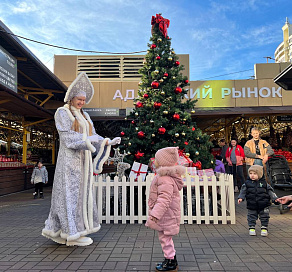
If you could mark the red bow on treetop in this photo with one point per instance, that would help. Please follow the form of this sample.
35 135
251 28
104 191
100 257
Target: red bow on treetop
162 23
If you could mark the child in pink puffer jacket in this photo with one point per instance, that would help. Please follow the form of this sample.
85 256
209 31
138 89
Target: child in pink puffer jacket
164 204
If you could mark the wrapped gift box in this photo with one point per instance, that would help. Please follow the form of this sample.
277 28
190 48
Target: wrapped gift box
138 169
206 172
152 165
184 160
192 171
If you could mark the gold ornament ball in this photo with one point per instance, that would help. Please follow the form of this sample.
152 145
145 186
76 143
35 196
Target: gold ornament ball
212 162
126 118
165 112
197 153
193 111
159 40
172 52
153 135
129 144
170 58
129 153
198 138
160 80
176 135
188 155
156 72
184 119
183 134
173 77
162 92
136 128
136 113
151 121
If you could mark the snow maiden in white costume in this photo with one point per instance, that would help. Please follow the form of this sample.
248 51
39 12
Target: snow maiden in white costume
73 212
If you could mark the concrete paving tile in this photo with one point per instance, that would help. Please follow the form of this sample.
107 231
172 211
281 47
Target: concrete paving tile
63 265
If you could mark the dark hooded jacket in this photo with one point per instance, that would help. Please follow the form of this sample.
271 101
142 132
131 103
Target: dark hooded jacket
258 194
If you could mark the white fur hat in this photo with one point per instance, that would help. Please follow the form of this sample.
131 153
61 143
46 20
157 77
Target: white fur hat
81 86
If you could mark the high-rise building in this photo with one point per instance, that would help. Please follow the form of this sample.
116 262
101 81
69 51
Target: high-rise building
283 52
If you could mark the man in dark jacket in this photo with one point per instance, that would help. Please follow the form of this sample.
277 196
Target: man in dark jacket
224 147
258 194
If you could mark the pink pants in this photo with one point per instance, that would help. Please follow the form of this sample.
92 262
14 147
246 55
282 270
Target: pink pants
166 245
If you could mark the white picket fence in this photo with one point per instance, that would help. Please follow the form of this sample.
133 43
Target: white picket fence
206 201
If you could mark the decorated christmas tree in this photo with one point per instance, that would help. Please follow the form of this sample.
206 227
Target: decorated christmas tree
162 114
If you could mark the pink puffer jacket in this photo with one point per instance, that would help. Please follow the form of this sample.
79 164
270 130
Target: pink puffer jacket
164 200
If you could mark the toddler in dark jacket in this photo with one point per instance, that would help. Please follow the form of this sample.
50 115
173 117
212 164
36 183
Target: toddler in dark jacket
258 194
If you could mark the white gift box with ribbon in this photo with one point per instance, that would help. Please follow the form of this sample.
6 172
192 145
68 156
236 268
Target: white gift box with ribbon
139 169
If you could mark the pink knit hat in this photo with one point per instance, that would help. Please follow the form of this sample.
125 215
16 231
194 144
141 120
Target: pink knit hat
167 156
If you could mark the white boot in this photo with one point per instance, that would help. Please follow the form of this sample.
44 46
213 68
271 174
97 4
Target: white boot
57 239
81 241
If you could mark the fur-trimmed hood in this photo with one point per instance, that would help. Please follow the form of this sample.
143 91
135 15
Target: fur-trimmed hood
173 171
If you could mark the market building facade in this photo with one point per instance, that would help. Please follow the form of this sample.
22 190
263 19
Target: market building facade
223 107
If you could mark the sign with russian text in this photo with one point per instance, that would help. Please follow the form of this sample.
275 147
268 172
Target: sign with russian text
102 111
8 70
284 118
216 93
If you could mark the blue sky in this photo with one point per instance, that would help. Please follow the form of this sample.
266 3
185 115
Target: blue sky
221 37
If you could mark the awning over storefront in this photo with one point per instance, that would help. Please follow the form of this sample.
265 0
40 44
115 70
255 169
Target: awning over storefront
35 81
242 111
14 103
284 79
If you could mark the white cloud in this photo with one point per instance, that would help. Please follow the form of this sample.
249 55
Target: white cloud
23 7
207 30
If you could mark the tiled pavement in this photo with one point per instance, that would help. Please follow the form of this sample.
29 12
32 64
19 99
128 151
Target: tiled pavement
136 248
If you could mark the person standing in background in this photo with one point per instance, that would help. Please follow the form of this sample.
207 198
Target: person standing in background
235 157
219 166
38 178
257 150
224 147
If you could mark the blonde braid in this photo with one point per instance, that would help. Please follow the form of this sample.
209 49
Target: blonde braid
90 126
75 125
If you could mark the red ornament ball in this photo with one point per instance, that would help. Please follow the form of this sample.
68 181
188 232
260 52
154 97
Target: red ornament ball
178 90
165 74
186 81
193 128
175 117
139 104
158 58
153 46
157 105
133 122
155 85
186 143
146 95
141 135
122 133
176 63
161 130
